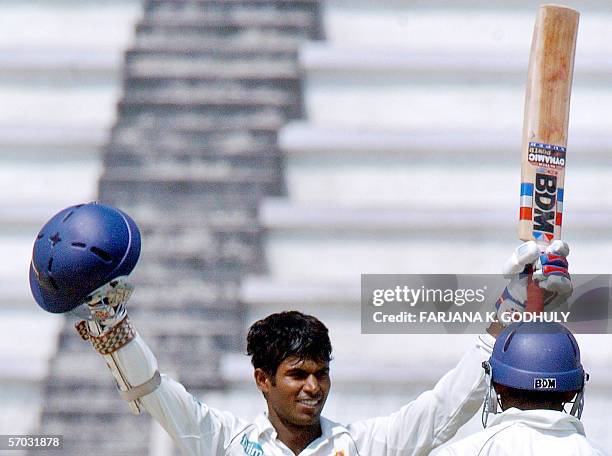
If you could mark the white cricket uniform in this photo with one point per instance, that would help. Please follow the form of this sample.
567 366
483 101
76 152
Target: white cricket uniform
415 429
526 432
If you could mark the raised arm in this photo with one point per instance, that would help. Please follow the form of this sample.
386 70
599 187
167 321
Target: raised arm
195 428
80 264
434 416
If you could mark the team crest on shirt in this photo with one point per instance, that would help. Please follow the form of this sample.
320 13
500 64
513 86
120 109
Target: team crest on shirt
251 448
339 453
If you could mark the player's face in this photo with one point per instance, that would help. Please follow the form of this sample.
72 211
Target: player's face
299 391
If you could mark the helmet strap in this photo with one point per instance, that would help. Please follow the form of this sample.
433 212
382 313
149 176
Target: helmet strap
578 404
491 401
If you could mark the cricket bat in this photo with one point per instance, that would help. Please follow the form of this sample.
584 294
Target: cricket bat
546 119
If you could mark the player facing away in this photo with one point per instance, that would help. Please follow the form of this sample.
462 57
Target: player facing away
81 260
534 375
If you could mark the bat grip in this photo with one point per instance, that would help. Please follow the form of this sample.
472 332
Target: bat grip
535 294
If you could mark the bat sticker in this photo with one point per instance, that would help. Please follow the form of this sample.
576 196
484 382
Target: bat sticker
546 155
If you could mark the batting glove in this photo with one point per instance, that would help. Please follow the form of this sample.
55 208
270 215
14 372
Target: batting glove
106 305
550 271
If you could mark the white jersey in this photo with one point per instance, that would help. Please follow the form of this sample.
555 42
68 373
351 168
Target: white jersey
415 429
526 432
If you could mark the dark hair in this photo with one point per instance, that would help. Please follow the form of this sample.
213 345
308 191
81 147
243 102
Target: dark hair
524 399
278 336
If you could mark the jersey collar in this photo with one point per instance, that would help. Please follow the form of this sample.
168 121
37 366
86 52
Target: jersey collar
540 419
329 428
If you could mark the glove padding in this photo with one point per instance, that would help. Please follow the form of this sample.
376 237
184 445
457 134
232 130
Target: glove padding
106 305
550 271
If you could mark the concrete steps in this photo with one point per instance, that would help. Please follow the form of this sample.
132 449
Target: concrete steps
345 258
207 23
196 122
428 107
180 46
68 25
131 437
242 138
303 139
436 219
226 155
59 64
177 174
202 97
167 219
399 182
412 140
59 79
408 161
235 252
58 96
57 142
239 195
191 154
475 25
257 69
437 65
25 360
23 182
25 106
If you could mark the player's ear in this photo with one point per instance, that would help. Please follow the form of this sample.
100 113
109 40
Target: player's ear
263 380
501 392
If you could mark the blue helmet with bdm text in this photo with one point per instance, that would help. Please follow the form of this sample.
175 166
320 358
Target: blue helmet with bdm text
537 356
542 357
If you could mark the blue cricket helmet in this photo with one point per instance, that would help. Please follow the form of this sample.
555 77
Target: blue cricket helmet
537 356
80 249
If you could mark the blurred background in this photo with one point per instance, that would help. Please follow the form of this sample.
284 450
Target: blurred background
271 152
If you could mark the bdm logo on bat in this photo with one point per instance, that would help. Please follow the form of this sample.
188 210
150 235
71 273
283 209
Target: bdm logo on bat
545 383
544 202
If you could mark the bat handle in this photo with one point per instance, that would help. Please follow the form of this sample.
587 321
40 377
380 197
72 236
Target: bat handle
535 295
